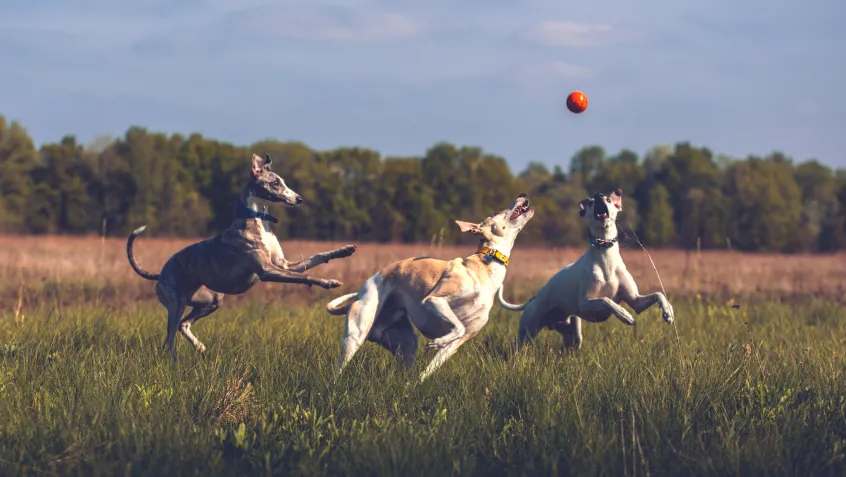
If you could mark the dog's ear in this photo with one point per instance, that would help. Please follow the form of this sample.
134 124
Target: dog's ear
617 198
583 207
469 227
267 160
258 165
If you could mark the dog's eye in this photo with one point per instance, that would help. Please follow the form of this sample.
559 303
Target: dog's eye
608 200
277 182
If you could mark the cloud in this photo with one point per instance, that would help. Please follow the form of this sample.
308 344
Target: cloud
563 34
552 74
328 22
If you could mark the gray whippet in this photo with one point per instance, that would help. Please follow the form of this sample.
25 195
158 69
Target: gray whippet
591 288
448 301
247 252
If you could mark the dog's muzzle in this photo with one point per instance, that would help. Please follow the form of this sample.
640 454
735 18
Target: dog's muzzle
521 208
600 207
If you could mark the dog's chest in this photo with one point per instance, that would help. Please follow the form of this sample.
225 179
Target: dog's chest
605 282
270 243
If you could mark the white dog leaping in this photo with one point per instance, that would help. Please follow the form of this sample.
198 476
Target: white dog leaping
590 289
448 301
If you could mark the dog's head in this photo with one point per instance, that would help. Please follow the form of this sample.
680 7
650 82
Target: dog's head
601 210
500 229
268 185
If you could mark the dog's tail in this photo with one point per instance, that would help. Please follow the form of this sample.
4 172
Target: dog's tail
510 306
341 305
134 263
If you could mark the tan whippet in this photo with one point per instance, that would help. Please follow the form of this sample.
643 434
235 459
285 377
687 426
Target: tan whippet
448 301
231 263
591 288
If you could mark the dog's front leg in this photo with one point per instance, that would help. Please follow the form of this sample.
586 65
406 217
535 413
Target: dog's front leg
320 259
591 308
262 265
641 303
439 307
273 273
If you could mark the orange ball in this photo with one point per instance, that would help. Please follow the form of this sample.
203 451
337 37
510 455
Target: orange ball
577 102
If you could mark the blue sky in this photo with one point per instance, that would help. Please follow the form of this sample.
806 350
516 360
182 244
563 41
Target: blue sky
737 76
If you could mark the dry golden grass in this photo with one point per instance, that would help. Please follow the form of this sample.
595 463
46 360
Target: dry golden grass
100 266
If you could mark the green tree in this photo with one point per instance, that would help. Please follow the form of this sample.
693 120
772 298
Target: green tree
18 158
657 228
60 203
820 207
765 200
694 184
586 162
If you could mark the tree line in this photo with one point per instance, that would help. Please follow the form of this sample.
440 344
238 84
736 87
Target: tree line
680 196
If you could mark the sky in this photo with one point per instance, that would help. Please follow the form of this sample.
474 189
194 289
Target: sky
740 77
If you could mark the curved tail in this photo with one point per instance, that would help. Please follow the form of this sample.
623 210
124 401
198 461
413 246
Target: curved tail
341 305
134 263
510 306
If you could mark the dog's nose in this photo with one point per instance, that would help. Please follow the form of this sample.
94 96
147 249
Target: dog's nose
299 200
522 194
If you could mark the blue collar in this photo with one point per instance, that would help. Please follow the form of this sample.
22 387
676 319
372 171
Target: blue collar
244 212
602 243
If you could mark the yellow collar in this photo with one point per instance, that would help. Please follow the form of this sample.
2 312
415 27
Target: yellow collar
494 254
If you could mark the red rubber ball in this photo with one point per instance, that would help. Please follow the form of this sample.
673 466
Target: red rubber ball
577 102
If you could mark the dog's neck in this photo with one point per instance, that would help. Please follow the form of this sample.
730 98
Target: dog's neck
495 256
252 202
604 240
251 207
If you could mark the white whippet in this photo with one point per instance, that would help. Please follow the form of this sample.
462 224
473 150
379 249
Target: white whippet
448 301
592 287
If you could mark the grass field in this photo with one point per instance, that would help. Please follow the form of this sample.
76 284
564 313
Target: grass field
758 390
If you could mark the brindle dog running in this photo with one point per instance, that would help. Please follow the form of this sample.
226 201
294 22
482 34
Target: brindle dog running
231 263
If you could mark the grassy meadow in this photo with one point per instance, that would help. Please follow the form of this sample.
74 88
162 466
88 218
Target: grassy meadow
749 381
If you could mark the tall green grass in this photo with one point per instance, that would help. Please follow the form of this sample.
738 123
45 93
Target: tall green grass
755 391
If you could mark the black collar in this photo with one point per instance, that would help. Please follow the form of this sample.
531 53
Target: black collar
244 212
602 243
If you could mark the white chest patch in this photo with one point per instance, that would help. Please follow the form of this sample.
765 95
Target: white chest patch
271 243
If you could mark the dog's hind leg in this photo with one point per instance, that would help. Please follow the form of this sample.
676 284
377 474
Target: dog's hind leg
400 339
571 331
174 300
442 355
204 302
532 322
360 319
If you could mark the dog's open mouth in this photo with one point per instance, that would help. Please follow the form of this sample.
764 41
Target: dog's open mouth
600 210
520 210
